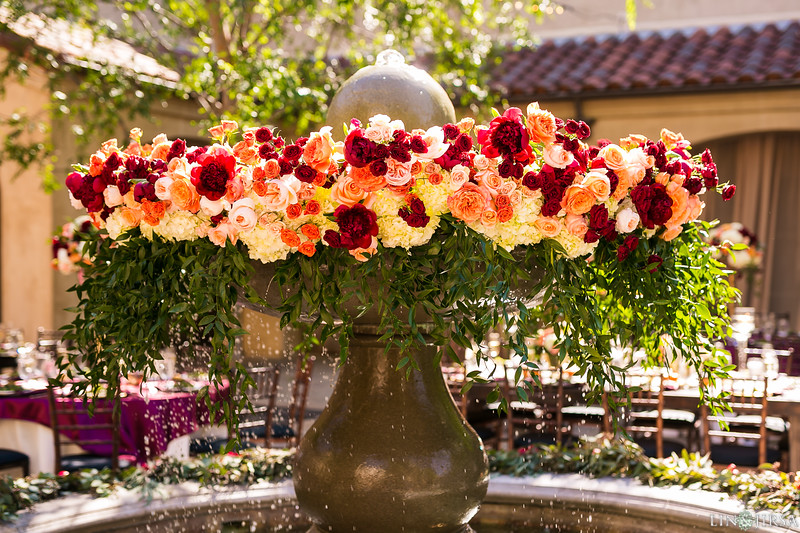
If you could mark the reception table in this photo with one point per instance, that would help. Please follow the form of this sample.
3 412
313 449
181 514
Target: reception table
151 417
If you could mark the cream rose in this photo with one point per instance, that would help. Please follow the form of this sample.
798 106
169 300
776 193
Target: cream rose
112 197
211 208
242 215
459 175
627 220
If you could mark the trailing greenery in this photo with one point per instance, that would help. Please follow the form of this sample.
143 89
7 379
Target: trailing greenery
600 456
595 457
251 466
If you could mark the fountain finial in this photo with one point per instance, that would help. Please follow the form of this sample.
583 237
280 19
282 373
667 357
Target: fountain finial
394 88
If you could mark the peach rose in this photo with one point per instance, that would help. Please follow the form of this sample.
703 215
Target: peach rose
162 187
245 152
459 175
184 195
223 232
215 132
662 178
366 179
636 165
278 195
272 169
318 151
541 124
381 128
632 141
481 162
469 202
112 197
695 207
346 192
577 200
548 226
131 216
160 151
671 233
576 225
363 254
307 191
398 173
507 187
627 220
234 189
242 214
466 124
623 185
680 198
490 179
599 184
670 138
489 218
556 156
614 156
229 125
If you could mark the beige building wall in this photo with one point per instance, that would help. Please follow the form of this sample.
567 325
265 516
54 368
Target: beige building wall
26 226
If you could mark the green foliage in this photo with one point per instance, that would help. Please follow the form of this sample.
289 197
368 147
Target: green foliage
252 466
600 456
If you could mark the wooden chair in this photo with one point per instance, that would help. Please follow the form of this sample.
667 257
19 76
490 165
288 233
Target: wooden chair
645 420
98 433
289 430
253 423
748 426
538 417
484 419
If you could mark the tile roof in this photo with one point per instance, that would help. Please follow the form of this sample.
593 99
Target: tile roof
639 63
80 46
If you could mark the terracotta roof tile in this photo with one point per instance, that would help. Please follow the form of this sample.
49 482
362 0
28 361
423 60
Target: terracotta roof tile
678 60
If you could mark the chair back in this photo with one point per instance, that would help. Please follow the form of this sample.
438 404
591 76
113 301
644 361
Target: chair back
96 433
645 401
262 397
748 397
538 409
293 429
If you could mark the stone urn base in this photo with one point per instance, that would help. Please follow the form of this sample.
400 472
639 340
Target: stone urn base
390 452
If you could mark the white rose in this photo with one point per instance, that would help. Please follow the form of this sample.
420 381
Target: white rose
112 196
211 208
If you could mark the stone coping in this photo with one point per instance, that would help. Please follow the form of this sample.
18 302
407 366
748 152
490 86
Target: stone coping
195 508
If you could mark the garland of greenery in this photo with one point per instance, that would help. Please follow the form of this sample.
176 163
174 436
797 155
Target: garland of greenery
594 457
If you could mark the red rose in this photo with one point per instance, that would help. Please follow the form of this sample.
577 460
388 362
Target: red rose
654 260
728 192
625 249
358 150
305 173
212 176
357 226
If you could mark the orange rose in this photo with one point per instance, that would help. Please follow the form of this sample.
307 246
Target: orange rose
366 179
599 184
671 233
294 211
505 214
313 207
541 124
548 226
310 230
260 188
469 202
319 149
184 195
290 238
578 200
244 152
160 151
435 178
272 169
307 248
345 191
96 163
502 200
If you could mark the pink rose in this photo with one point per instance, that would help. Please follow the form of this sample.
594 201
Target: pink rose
162 188
556 156
112 196
221 233
490 179
242 215
397 174
548 226
459 175
576 225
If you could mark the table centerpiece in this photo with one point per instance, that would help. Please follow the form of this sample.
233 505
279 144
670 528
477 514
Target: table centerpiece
409 242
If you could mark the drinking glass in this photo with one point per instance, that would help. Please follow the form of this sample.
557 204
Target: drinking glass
166 366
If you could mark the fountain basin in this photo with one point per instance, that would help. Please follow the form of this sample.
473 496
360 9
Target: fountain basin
549 502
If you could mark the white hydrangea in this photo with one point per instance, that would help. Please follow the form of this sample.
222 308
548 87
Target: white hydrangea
178 226
264 245
394 232
387 203
433 196
574 245
114 225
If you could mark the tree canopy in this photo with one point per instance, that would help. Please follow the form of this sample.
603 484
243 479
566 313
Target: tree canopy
275 62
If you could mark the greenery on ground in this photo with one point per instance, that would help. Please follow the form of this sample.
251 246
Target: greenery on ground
765 489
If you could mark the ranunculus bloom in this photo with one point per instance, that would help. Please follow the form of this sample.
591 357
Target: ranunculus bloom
184 196
541 124
346 192
242 214
469 202
215 169
599 184
318 151
365 179
548 226
577 200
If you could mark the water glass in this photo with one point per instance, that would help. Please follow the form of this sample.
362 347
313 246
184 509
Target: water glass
166 366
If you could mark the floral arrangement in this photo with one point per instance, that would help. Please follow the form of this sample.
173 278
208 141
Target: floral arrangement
462 223
737 246
68 256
